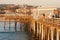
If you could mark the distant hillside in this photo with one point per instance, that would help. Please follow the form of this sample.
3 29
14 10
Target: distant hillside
6 4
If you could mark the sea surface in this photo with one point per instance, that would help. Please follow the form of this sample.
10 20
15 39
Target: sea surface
10 26
14 36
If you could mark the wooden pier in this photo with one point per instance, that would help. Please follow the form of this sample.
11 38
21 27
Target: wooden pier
47 29
21 18
42 29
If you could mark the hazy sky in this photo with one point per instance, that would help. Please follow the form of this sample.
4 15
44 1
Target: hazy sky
53 3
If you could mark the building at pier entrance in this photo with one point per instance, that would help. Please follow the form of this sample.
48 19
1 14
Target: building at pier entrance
48 11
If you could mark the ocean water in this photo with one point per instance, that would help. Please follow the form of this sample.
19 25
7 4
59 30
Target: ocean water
11 34
10 26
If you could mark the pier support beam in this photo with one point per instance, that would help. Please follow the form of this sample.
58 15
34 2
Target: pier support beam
52 34
57 38
35 28
49 34
4 25
15 26
20 27
42 33
32 26
9 24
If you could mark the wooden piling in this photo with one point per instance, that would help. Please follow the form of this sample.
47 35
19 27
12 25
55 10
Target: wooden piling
57 38
42 32
49 34
52 34
15 26
4 25
9 25
35 29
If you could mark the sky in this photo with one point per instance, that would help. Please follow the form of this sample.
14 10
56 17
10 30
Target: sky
43 3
